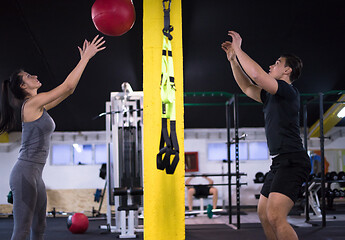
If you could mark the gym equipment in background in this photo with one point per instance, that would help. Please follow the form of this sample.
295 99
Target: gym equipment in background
209 212
341 175
127 227
331 176
10 197
124 168
313 197
259 177
99 194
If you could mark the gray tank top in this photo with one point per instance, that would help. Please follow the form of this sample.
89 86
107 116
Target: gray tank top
36 137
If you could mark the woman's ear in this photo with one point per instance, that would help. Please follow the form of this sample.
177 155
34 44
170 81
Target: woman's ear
23 85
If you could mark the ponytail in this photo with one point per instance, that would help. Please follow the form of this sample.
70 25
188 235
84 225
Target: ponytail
10 90
7 118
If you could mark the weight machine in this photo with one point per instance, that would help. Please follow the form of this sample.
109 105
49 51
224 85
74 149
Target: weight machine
124 140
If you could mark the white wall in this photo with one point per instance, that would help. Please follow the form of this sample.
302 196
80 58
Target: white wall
196 140
72 177
7 161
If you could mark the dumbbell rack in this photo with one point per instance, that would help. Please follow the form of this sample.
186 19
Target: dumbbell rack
320 99
335 193
314 186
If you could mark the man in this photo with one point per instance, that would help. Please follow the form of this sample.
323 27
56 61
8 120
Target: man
201 191
290 162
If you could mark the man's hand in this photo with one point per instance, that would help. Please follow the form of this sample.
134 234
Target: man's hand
236 40
230 53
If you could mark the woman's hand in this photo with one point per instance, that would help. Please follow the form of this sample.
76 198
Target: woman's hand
90 49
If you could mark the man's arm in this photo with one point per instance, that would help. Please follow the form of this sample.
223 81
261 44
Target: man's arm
210 181
251 90
254 71
188 180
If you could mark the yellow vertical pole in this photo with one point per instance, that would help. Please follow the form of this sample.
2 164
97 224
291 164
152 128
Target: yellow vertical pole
164 194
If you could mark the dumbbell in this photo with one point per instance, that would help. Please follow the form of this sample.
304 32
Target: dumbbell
329 193
341 175
336 193
342 193
331 176
318 175
334 176
259 177
53 212
209 211
311 177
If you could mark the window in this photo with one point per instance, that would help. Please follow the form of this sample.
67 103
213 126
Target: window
61 154
243 151
247 151
78 154
258 151
100 153
219 152
82 154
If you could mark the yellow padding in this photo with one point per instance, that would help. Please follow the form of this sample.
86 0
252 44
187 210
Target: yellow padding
4 138
163 194
330 119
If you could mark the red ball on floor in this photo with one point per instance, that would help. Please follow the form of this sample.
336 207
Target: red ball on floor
77 223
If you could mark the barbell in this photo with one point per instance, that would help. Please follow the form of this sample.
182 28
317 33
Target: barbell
209 211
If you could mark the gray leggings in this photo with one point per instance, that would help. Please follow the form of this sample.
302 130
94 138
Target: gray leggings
29 200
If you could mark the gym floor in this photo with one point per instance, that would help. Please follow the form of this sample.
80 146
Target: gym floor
202 228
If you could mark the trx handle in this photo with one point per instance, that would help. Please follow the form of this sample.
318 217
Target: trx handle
171 148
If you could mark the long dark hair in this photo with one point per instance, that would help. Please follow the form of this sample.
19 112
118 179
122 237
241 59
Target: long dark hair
10 87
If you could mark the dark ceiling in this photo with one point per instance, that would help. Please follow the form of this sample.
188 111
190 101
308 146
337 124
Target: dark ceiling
42 36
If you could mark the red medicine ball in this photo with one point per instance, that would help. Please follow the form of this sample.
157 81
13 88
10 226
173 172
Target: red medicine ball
113 17
77 223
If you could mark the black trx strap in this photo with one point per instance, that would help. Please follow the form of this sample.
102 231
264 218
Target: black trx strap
168 144
167 27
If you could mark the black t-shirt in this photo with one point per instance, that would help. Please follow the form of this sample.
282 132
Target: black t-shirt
281 113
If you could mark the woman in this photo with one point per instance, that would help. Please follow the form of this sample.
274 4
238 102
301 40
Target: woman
29 194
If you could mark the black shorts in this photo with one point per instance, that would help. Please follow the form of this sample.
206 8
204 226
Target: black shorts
201 190
288 172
